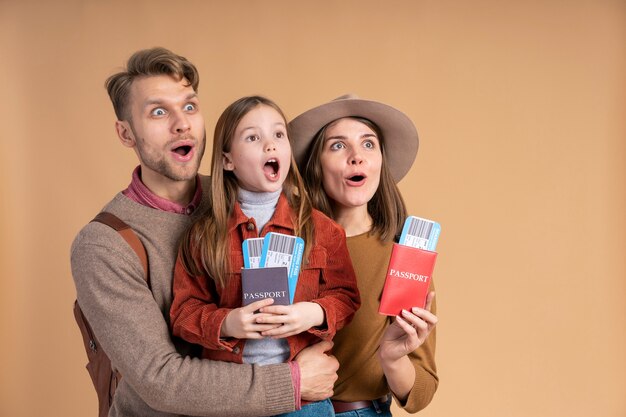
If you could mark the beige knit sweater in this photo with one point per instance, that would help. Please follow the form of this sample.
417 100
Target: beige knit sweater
132 324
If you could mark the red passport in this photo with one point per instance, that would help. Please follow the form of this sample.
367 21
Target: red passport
408 279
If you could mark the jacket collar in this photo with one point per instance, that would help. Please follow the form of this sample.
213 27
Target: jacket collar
281 217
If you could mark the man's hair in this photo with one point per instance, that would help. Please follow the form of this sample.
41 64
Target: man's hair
145 63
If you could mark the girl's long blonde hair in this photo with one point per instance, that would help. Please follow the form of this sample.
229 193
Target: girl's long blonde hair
205 248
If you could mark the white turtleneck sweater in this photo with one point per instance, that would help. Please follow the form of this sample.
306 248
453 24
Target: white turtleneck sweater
261 207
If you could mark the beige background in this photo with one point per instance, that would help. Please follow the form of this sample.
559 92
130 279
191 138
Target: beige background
521 112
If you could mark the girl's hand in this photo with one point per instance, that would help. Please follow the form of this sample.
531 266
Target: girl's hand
291 319
242 322
407 333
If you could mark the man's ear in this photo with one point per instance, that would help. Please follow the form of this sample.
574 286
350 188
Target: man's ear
227 162
125 133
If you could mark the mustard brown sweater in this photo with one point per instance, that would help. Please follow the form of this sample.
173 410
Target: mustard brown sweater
360 374
132 324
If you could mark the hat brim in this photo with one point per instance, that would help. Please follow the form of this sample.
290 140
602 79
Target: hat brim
400 136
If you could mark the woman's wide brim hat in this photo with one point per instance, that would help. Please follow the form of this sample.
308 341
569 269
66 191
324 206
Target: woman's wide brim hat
399 133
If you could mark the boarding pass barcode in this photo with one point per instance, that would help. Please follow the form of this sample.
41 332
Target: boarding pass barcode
281 243
255 247
420 233
420 228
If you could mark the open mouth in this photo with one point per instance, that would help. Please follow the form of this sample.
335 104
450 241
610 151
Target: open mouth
356 178
271 168
182 150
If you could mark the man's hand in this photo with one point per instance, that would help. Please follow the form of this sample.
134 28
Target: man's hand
318 371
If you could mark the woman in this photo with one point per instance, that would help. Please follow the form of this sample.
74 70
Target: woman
352 152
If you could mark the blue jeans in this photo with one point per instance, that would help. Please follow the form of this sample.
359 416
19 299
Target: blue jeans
379 409
320 408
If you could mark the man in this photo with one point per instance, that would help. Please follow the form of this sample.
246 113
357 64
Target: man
157 108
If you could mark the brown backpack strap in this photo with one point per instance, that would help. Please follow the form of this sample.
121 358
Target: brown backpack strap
129 236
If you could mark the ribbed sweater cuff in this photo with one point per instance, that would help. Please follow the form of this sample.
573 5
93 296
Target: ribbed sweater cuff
279 388
295 379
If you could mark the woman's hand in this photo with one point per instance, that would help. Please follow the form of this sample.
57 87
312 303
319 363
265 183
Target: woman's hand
291 319
402 337
407 333
242 322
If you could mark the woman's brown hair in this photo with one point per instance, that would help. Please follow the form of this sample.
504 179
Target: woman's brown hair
387 208
205 247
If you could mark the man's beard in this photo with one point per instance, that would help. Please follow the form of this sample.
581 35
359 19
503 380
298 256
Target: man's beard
161 165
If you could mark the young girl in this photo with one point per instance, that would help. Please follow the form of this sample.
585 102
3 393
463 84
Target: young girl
256 189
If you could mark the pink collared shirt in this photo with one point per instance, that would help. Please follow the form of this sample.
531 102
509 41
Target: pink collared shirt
139 193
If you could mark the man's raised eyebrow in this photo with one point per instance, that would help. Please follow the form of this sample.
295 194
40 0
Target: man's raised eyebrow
152 101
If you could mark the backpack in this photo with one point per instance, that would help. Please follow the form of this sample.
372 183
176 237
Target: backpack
105 379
